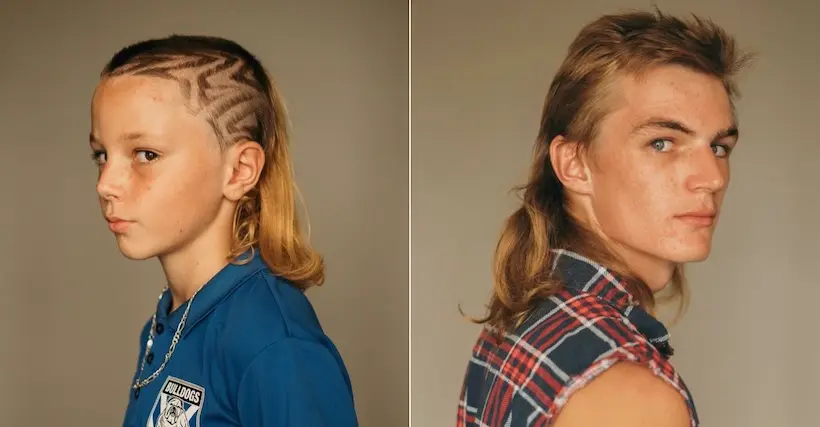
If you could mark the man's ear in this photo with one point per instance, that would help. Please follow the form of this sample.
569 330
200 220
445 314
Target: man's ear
245 161
571 165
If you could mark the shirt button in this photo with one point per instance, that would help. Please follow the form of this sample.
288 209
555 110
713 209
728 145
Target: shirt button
159 328
150 358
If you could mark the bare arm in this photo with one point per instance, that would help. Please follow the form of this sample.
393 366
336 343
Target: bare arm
626 395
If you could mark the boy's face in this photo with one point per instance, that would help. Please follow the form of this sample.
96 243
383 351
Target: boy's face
659 168
161 170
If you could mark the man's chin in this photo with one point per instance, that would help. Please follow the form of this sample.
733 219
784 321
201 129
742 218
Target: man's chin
693 253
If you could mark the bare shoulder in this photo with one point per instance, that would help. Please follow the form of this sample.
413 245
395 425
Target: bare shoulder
626 394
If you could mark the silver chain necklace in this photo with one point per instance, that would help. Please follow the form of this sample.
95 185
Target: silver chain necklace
138 384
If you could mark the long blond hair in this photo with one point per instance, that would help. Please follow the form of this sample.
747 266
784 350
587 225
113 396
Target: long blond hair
267 217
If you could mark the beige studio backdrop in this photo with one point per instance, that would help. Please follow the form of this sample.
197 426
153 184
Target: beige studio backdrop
71 307
749 345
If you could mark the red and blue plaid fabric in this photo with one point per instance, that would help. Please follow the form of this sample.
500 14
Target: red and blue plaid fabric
573 336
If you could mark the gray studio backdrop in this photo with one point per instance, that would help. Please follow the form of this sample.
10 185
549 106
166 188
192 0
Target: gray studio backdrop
749 346
71 307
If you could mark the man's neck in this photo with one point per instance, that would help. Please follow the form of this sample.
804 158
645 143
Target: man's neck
656 273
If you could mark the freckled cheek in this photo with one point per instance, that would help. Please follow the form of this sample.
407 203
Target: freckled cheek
186 196
184 207
665 202
157 198
141 185
652 199
644 191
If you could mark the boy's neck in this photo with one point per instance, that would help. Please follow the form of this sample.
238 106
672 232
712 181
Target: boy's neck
189 268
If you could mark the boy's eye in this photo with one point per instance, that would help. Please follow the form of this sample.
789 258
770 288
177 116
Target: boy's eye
145 156
99 157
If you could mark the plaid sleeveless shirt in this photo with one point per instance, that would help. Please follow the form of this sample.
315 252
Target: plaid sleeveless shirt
573 336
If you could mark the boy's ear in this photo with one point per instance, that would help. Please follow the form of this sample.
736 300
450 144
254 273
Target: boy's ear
245 161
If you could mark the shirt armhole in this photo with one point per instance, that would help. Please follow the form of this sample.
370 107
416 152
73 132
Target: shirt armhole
602 365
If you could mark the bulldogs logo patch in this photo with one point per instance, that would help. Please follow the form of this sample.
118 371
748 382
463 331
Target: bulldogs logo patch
179 404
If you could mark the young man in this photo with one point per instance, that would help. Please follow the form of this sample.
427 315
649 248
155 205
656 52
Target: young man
630 169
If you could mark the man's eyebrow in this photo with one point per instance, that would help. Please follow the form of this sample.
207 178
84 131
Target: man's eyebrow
664 123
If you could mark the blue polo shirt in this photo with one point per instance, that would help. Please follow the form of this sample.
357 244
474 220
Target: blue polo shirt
252 353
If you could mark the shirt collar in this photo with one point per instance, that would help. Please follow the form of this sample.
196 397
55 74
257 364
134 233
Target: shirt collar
580 273
212 293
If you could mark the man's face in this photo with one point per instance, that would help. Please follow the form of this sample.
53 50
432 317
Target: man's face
659 167
160 168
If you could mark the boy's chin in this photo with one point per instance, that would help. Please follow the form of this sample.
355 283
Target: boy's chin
134 251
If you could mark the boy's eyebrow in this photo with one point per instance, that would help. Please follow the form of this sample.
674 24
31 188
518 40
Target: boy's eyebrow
659 122
128 136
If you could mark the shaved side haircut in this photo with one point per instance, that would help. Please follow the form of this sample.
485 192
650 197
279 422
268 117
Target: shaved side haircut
228 87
